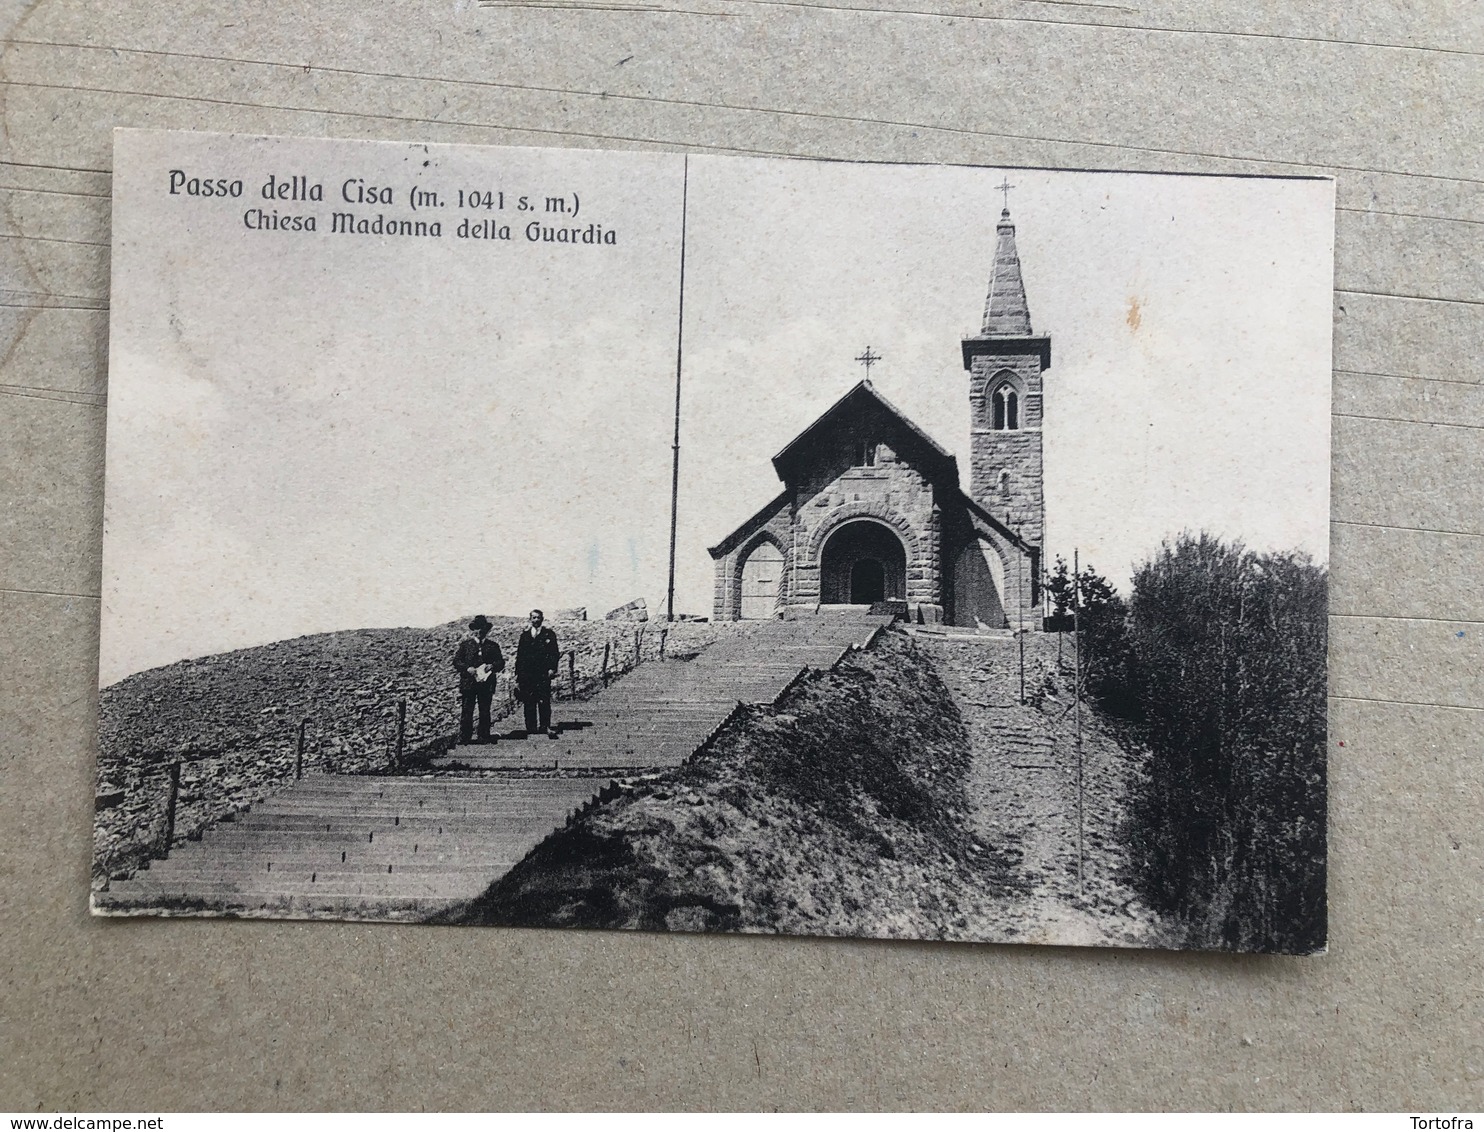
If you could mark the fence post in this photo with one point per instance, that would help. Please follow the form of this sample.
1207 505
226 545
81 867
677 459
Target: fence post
299 752
170 808
664 635
607 645
572 671
401 729
1020 602
638 646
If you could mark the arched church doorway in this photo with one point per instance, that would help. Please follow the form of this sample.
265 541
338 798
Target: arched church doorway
867 582
761 575
862 562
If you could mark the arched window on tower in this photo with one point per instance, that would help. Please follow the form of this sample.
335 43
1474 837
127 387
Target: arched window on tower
1006 407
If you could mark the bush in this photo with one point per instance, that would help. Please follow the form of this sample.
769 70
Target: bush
1227 659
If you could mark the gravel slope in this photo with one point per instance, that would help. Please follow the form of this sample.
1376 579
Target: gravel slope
1023 791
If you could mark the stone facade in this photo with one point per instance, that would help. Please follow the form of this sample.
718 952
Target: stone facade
1005 465
833 483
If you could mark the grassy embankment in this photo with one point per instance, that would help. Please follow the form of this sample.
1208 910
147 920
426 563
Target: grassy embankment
841 811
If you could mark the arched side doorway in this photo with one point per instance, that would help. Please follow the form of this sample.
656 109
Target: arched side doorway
762 572
978 587
862 562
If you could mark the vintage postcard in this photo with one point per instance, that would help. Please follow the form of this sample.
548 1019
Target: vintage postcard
640 540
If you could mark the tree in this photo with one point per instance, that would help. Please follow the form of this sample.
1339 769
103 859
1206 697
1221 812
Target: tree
1227 662
1059 586
1102 634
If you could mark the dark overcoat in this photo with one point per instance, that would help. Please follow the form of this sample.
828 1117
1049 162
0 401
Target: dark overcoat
536 658
471 653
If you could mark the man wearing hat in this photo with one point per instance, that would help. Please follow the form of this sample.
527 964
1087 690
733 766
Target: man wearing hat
477 659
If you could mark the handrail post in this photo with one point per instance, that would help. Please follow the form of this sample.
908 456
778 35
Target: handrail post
401 730
572 671
299 752
664 635
607 645
170 808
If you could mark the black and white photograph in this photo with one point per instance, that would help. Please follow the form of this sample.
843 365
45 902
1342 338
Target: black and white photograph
631 540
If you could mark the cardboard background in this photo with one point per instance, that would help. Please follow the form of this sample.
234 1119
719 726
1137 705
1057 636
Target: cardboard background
203 1015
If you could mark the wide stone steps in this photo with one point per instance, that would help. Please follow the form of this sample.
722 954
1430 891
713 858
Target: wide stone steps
272 846
414 882
249 868
662 712
309 865
382 859
393 808
407 847
377 827
367 900
373 847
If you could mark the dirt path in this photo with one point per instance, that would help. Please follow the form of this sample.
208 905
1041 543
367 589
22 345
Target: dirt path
1023 786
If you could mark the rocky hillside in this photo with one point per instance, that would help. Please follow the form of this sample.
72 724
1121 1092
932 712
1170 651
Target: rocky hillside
232 720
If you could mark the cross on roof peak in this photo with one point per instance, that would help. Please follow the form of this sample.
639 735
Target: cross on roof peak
868 359
1005 186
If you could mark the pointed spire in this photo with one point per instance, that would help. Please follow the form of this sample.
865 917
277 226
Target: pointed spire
1006 314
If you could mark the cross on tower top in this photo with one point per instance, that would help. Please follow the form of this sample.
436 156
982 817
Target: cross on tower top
868 359
1005 186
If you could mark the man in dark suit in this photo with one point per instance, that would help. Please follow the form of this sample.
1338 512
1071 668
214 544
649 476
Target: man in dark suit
477 659
537 656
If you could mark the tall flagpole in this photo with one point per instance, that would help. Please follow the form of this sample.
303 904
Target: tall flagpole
675 447
1077 697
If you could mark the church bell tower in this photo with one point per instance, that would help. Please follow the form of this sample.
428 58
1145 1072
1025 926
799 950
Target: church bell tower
1005 363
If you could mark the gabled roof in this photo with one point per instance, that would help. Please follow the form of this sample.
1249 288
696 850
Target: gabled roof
751 526
937 462
994 524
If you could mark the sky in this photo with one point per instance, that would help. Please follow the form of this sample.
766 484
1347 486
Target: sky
310 432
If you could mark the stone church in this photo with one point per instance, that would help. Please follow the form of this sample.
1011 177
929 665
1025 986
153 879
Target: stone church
872 508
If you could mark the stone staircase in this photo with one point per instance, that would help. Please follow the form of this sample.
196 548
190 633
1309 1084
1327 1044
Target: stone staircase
375 847
661 712
407 847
